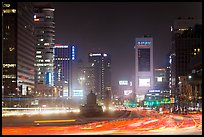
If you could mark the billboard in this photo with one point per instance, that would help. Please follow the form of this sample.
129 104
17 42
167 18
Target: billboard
77 92
144 82
159 79
48 78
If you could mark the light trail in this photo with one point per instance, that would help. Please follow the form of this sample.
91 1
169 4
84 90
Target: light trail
34 111
162 125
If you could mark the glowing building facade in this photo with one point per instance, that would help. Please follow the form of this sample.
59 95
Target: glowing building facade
45 38
64 57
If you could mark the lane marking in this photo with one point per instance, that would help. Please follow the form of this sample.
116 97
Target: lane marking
52 121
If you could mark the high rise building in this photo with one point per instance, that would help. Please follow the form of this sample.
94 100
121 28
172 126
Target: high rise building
64 58
18 48
186 37
144 78
45 40
195 79
101 62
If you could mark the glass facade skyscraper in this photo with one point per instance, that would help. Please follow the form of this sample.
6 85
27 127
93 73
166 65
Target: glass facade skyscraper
18 48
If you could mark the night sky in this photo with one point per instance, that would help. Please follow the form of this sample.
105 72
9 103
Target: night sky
113 27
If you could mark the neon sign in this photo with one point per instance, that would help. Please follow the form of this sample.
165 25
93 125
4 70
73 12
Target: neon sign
144 43
73 53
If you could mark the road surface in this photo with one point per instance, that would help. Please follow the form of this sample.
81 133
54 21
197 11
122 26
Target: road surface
134 122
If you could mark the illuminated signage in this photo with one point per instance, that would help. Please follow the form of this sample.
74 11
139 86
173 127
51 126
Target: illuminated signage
73 53
159 79
127 92
95 54
78 92
154 90
123 82
144 43
48 78
144 82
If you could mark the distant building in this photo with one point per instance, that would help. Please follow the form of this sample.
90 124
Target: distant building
18 48
45 40
101 63
86 78
186 36
161 79
144 78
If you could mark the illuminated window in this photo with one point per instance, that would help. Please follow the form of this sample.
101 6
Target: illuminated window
36 20
46 44
47 60
9 65
11 49
198 50
38 56
7 5
194 54
38 52
9 11
194 49
9 76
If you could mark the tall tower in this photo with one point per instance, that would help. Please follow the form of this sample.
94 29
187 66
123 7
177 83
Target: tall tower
143 66
18 48
101 62
45 38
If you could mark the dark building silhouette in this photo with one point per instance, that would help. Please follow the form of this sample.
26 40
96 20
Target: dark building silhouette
186 37
101 63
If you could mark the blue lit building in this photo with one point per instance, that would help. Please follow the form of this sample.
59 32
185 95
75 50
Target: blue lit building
64 57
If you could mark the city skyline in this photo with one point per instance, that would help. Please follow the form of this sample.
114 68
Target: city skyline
113 27
101 68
